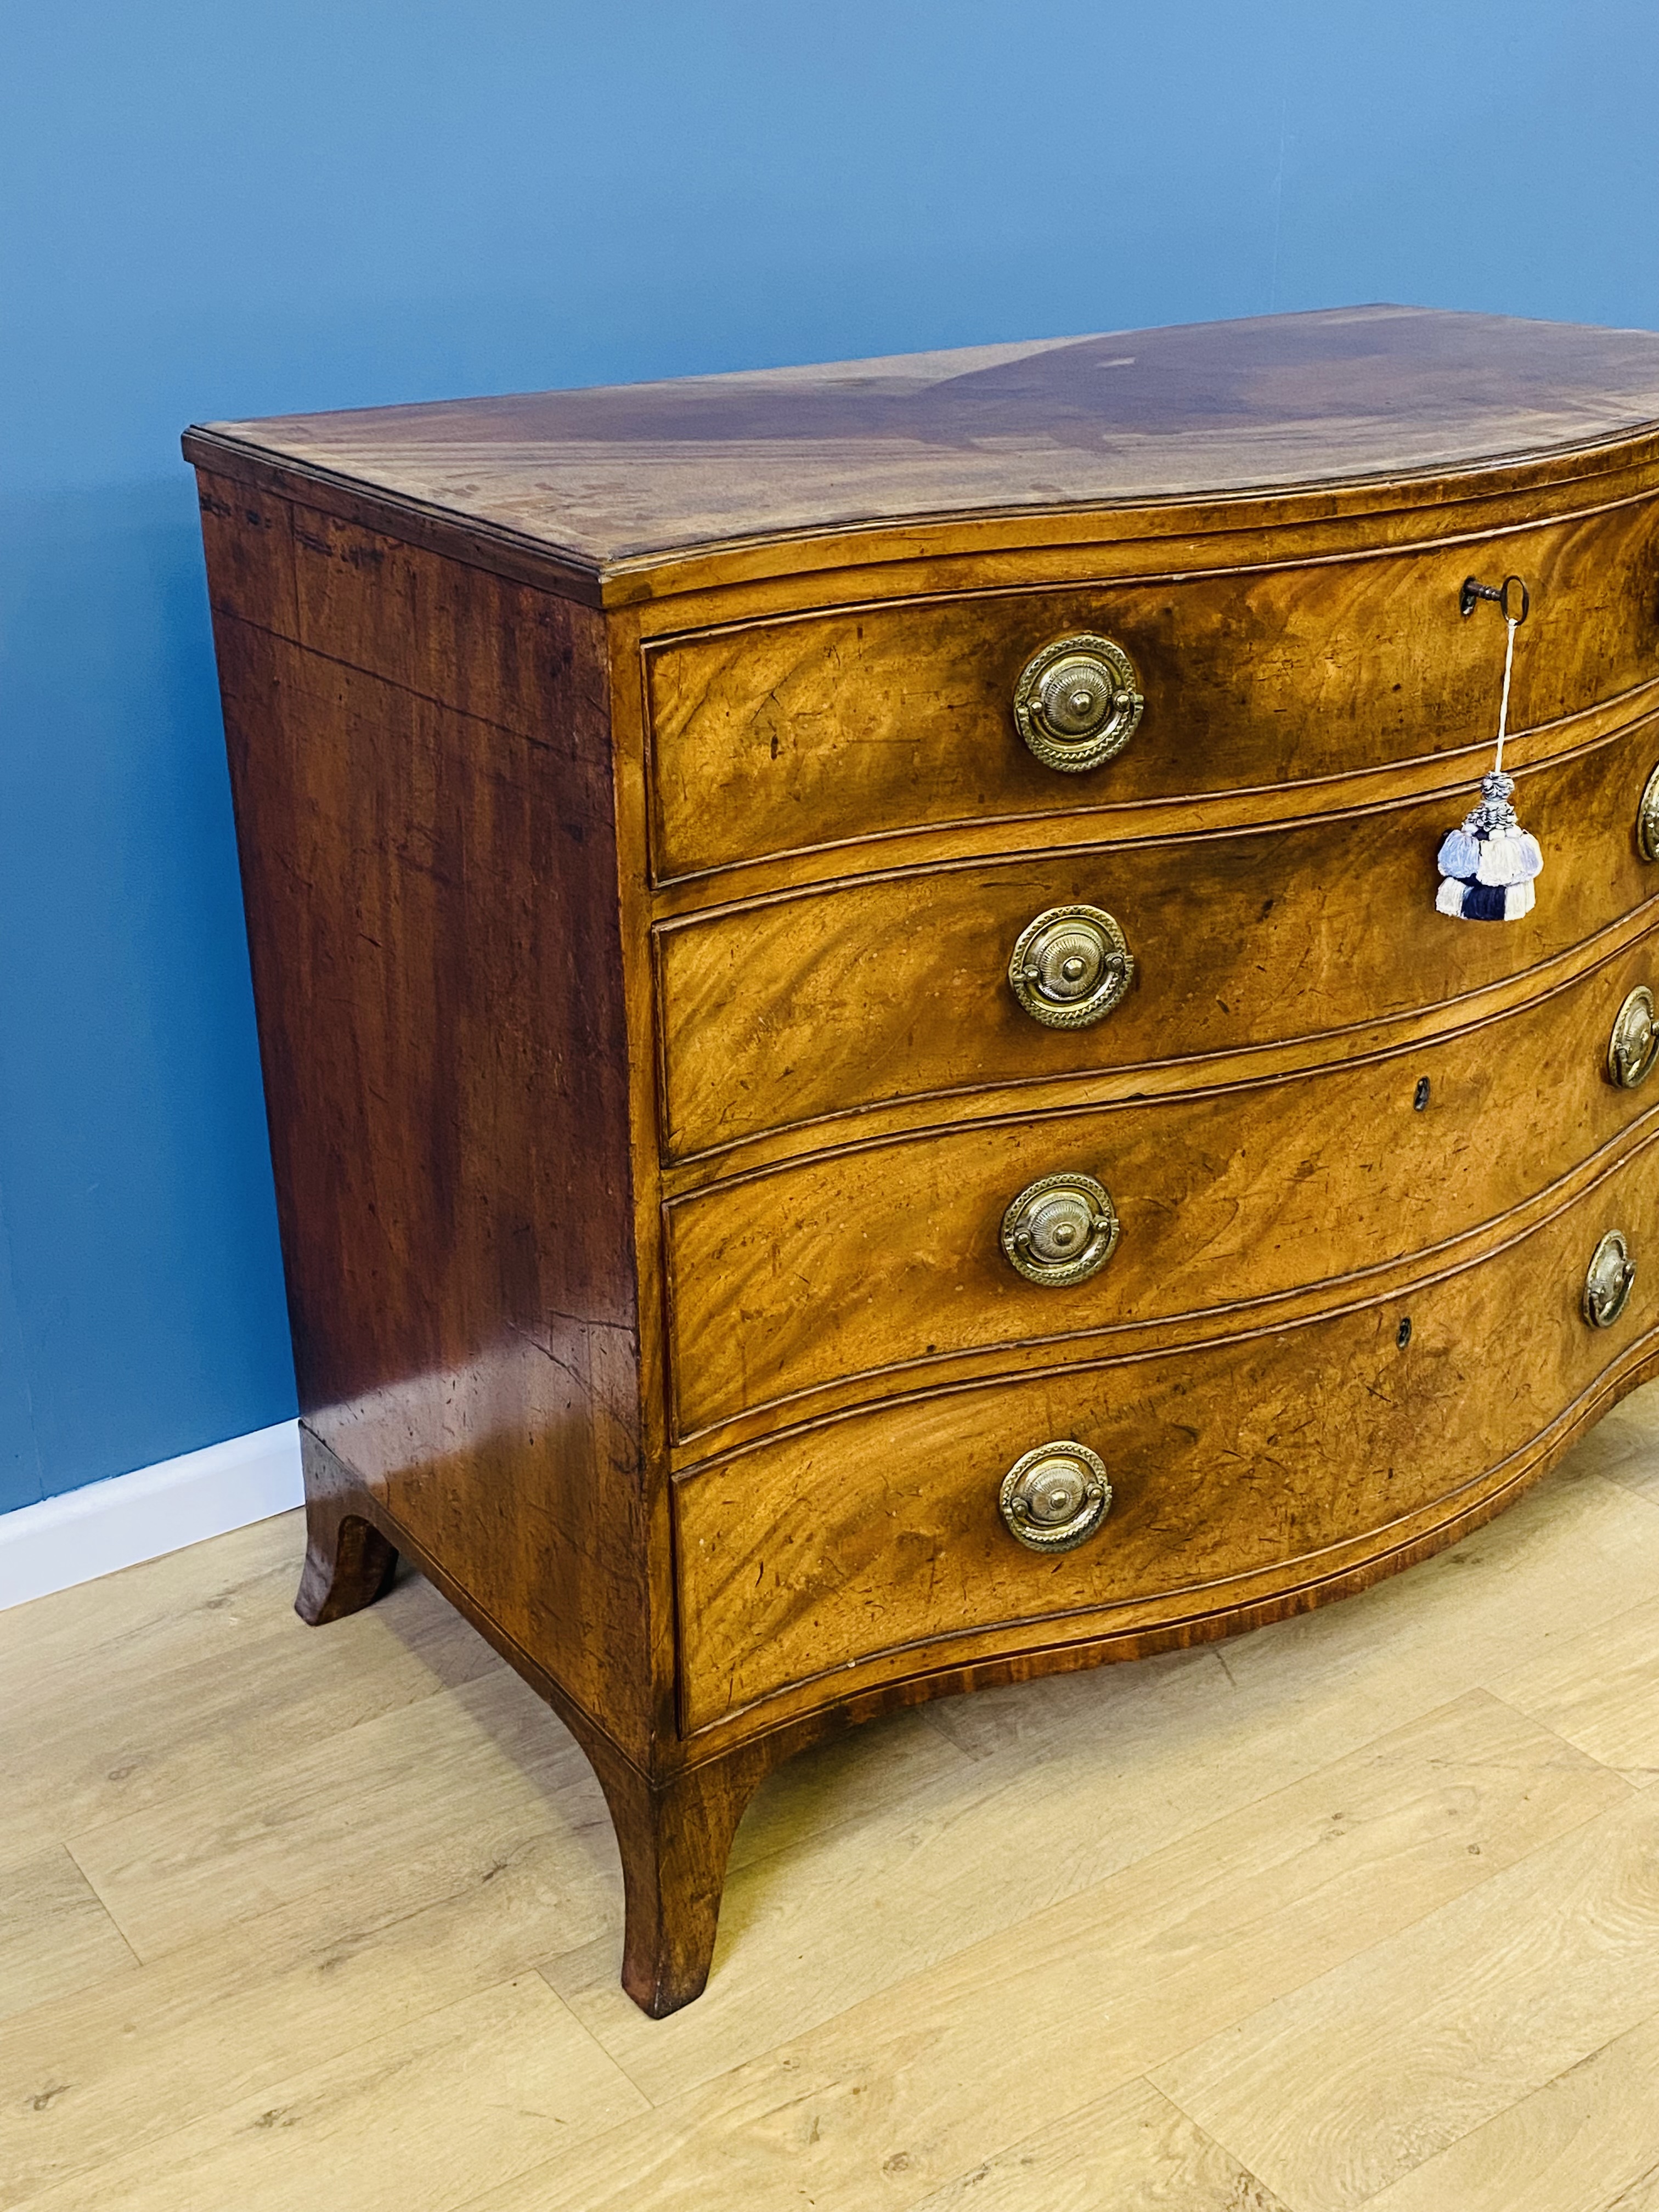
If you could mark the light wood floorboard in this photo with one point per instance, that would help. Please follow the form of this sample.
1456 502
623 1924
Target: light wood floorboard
478 2091
1361 1909
1402 2050
1041 1849
1596 1689
197 1603
1584 2143
55 1933
1130 2152
381 1819
82 1747
943 2069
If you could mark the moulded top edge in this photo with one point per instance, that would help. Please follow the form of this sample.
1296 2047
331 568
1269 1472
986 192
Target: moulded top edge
618 477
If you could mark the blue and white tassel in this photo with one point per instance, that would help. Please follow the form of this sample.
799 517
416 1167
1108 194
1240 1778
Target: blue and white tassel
1490 863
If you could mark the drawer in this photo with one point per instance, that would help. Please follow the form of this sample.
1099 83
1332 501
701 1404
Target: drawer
897 987
784 735
885 1258
866 1547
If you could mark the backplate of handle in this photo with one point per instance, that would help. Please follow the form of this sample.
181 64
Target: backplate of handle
1634 1045
1070 966
1607 1280
1061 1229
1056 1498
1078 702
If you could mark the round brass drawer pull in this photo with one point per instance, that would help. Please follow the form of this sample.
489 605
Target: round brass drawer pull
1607 1280
1647 819
1055 1498
1078 702
1062 1229
1070 967
1634 1045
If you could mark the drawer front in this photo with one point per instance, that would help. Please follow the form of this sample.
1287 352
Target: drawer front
894 988
890 1257
875 1547
786 735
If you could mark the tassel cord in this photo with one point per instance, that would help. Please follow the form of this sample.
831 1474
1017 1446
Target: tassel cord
1503 704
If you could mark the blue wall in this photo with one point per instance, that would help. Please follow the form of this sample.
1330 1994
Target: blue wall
250 208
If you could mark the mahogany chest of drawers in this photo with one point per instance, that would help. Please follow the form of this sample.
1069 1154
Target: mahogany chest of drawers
867 1091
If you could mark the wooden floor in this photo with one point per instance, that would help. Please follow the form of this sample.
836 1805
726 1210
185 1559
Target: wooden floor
1362 1909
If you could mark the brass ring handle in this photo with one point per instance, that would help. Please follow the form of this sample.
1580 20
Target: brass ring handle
1070 966
1607 1280
1647 819
1078 702
1061 1229
1634 1045
1054 1498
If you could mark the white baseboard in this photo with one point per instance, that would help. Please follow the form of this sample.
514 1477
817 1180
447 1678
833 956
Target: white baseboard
106 1525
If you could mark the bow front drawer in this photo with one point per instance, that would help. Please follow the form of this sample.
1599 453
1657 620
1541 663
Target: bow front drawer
819 1002
871 1267
863 1548
782 735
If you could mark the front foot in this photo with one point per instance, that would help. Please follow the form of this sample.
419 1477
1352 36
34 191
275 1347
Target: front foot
349 1568
349 1563
674 1837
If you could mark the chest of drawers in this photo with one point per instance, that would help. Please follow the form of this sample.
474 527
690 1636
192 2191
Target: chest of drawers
867 1093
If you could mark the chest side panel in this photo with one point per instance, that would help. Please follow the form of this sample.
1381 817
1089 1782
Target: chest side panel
420 760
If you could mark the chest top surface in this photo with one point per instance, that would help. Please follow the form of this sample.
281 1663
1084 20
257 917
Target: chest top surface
625 472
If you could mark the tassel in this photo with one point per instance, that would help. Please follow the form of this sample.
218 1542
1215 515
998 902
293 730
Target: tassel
1487 866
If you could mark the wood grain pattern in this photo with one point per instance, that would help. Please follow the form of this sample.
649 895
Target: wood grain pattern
1595 1689
842 1550
623 473
1357 2095
111 1738
1586 2141
790 1009
434 934
494 649
476 2092
388 1918
1131 2150
785 736
886 1257
55 1933
1041 1098
1445 778
1076 1780
170 1875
